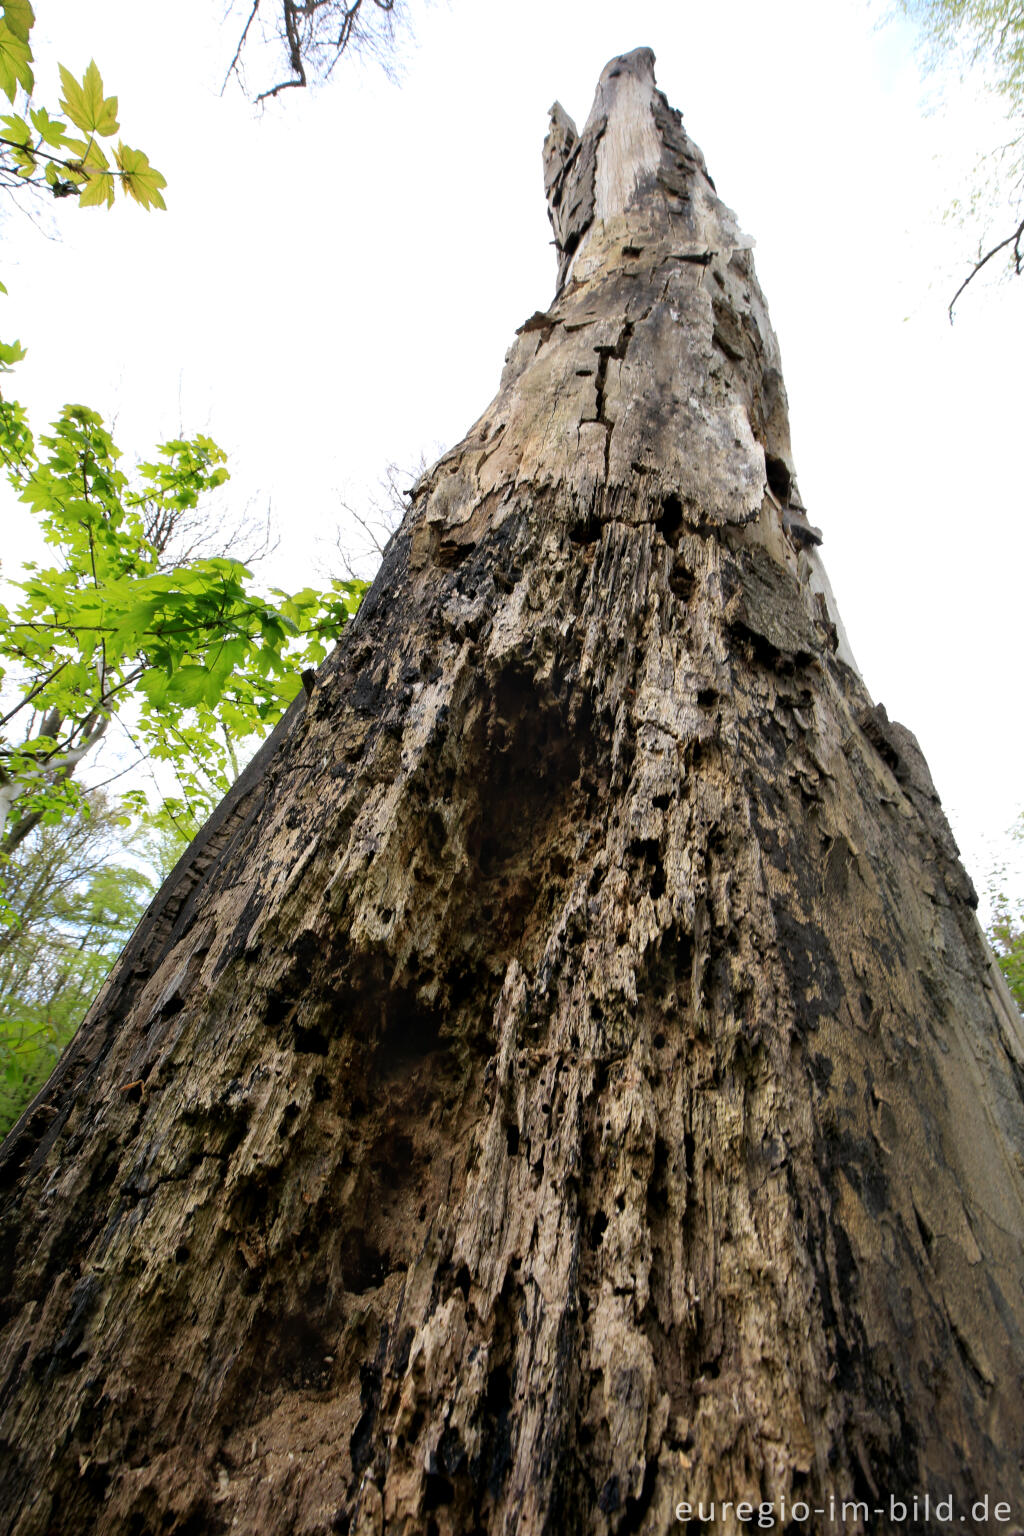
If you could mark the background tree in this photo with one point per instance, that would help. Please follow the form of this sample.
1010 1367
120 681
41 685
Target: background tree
985 39
1006 934
377 520
313 35
72 902
1006 927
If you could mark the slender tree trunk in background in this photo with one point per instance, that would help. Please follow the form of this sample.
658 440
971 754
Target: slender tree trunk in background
566 1078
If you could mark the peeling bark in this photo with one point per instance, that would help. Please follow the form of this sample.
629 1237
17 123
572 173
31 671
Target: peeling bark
567 1076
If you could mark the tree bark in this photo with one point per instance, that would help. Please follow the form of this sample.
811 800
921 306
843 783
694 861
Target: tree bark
566 1079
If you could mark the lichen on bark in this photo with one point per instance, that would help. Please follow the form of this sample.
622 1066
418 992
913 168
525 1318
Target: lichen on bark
567 1076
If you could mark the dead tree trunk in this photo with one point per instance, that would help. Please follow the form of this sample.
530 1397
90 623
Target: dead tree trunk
566 1079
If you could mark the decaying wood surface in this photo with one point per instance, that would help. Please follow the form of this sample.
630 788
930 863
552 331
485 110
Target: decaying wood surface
567 1078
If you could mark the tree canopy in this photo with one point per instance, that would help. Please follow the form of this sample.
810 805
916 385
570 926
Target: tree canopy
124 620
986 38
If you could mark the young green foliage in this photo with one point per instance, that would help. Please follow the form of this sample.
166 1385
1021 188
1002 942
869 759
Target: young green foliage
40 149
112 623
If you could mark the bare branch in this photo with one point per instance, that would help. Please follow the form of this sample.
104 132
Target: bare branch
43 683
315 34
1018 261
182 536
284 85
386 512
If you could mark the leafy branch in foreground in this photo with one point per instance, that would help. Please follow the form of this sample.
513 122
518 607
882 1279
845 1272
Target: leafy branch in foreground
189 650
41 149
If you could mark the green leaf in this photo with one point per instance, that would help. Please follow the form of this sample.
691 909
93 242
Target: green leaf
138 178
16 128
11 352
15 62
86 105
99 189
19 17
188 686
154 685
51 130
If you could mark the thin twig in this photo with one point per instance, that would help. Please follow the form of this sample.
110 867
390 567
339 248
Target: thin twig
233 66
36 690
1018 261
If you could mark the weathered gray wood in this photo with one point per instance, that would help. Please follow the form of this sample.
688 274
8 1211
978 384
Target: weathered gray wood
570 1079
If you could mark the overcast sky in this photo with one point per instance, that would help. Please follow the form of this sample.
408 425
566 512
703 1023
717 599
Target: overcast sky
338 277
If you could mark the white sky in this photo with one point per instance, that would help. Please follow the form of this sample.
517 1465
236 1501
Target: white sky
338 278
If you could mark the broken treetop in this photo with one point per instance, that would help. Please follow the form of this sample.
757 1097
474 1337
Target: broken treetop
633 151
630 199
657 354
